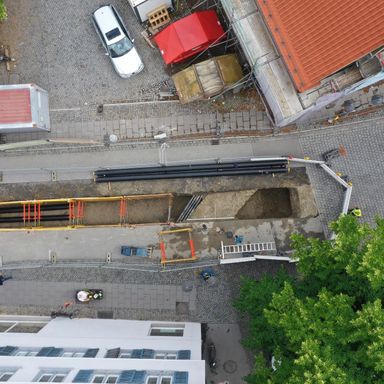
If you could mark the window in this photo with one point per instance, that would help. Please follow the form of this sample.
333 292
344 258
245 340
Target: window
105 378
72 354
51 377
100 378
184 354
166 355
6 375
50 352
159 380
7 350
112 353
125 354
180 378
26 352
167 330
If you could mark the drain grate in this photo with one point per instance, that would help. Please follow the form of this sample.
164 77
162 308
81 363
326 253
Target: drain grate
105 314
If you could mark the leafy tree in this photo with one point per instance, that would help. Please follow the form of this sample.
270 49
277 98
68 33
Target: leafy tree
259 293
327 325
3 11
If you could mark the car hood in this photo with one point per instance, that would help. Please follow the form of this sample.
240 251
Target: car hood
128 64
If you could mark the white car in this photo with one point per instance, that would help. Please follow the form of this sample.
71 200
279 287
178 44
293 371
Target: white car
117 41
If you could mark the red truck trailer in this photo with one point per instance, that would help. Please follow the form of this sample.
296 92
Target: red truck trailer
23 108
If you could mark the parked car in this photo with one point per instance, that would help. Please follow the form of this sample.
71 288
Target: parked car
117 41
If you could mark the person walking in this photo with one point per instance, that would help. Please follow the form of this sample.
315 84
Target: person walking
3 278
355 212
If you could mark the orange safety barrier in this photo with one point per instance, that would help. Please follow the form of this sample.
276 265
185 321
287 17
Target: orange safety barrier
123 209
80 209
192 247
163 254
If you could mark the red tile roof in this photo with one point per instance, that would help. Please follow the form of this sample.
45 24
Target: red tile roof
319 37
15 106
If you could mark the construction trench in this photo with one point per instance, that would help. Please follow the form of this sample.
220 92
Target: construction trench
261 208
247 197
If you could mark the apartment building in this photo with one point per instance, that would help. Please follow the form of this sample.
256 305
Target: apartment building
100 351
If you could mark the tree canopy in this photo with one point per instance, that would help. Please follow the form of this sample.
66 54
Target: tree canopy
326 324
3 11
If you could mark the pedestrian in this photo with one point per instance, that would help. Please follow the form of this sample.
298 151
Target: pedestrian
355 212
3 278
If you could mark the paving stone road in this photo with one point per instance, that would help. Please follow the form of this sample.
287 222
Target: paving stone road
364 142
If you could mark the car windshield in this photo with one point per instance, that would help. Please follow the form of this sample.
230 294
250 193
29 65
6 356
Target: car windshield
120 48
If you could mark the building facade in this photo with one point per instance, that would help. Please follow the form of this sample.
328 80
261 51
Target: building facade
101 351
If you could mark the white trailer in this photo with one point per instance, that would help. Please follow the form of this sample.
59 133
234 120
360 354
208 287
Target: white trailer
141 8
23 108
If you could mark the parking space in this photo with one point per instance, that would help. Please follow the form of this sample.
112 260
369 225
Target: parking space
57 48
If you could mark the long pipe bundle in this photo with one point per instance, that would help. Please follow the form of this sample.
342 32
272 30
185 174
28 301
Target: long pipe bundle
192 170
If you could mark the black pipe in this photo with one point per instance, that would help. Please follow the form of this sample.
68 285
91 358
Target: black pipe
189 170
188 173
32 220
43 207
234 172
190 167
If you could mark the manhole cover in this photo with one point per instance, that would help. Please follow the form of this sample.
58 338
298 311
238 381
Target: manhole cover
230 366
105 314
182 308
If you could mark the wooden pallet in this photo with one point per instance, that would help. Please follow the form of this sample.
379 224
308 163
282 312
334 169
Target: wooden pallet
158 17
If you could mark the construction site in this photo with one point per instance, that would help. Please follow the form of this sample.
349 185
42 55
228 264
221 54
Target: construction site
166 220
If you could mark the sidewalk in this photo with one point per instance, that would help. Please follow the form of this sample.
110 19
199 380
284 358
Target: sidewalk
116 296
127 122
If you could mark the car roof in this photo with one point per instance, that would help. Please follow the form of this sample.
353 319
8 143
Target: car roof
106 20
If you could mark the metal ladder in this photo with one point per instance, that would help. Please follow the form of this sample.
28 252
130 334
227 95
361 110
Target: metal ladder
248 248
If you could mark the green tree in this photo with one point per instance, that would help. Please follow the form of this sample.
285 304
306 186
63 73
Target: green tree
327 325
3 11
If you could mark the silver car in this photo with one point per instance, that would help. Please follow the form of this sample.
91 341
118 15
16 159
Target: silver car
117 41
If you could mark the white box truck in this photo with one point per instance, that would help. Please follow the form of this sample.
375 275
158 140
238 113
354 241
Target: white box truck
23 108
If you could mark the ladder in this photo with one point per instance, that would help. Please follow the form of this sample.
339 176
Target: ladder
247 248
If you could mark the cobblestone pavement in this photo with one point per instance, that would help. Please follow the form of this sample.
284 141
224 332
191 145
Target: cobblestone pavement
35 291
364 142
57 47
